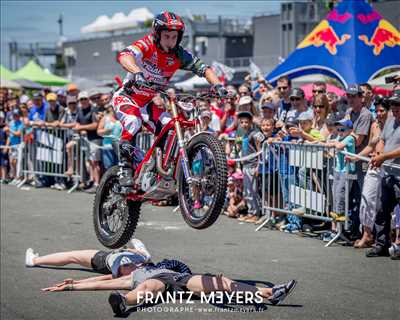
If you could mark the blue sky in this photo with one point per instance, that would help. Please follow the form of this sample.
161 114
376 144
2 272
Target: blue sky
30 21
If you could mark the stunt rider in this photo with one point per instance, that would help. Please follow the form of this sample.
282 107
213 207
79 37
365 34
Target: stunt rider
154 58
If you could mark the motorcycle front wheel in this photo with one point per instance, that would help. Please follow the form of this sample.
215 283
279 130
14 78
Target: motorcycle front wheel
202 201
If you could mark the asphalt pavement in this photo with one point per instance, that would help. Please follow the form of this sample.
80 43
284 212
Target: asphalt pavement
333 283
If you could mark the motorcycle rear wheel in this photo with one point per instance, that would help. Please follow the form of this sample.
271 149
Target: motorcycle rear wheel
108 207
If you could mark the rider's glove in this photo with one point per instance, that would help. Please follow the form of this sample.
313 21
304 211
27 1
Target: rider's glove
137 81
221 90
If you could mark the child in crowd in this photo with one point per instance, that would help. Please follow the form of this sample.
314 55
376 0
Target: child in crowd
16 127
270 169
248 135
345 141
236 204
305 130
205 118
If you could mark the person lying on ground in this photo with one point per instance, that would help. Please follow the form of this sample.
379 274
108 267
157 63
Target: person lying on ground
153 279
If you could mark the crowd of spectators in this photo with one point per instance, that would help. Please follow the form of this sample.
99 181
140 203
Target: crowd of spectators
358 122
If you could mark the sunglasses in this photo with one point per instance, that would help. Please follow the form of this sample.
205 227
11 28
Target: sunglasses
282 88
295 99
342 129
318 91
83 99
319 107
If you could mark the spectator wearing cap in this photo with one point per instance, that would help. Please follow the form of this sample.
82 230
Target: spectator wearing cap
246 104
15 132
53 112
62 97
72 90
205 118
284 87
68 121
345 141
268 110
320 106
388 152
361 119
87 123
368 98
248 137
94 97
37 113
305 131
318 87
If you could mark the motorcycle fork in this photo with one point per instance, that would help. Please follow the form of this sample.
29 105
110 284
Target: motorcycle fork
181 144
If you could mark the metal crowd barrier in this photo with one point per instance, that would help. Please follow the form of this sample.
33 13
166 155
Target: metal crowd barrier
44 153
298 180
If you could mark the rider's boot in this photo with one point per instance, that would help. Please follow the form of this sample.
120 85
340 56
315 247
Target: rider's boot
126 156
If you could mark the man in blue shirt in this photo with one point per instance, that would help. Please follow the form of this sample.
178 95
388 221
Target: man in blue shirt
37 114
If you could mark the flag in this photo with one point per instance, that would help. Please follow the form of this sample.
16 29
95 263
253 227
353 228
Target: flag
223 72
255 71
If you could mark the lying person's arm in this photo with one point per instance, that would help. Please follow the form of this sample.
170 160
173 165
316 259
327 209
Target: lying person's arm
112 284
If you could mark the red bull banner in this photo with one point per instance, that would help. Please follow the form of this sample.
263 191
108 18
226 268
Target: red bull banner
353 43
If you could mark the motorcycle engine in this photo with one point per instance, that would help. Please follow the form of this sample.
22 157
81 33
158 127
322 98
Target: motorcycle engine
148 180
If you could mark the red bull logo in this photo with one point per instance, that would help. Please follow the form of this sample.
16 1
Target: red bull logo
324 35
384 35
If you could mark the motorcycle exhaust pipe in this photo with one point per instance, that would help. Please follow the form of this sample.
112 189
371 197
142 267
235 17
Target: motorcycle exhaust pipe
159 159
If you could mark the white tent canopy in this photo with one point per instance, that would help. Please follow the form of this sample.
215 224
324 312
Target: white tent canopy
190 84
380 81
119 21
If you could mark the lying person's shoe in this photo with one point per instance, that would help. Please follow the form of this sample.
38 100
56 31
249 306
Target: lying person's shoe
377 251
139 245
29 256
394 252
282 291
118 303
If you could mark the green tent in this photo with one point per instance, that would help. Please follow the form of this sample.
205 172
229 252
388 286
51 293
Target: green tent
32 71
5 73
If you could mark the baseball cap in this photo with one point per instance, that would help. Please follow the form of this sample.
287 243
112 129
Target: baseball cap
395 99
245 100
345 123
72 86
304 116
24 99
51 97
71 99
245 114
353 89
205 114
37 95
297 92
268 105
83 95
94 92
61 92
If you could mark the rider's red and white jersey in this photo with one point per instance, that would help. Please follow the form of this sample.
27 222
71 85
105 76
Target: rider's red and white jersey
159 66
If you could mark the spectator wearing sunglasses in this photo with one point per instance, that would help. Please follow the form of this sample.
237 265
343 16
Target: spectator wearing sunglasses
284 87
299 105
321 110
319 87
